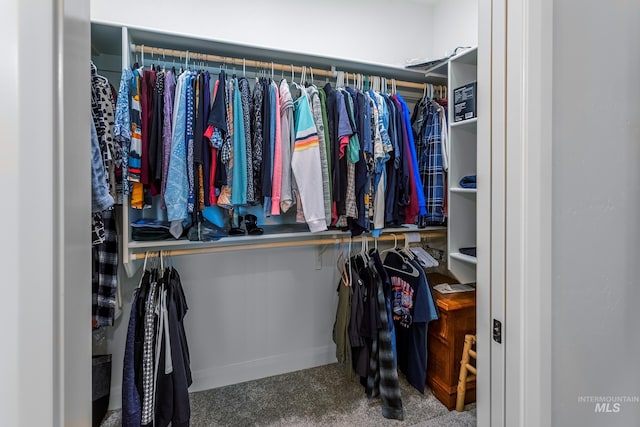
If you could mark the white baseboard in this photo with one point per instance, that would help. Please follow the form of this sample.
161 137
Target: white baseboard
219 376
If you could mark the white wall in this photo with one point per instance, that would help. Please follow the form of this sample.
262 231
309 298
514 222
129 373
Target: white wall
453 23
45 256
251 314
379 31
596 200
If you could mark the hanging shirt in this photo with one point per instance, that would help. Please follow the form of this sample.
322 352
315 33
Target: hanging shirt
218 114
101 199
226 150
245 92
239 188
131 407
316 108
102 109
269 124
207 158
277 156
287 137
384 375
212 196
338 172
353 156
135 152
393 165
155 138
177 191
325 124
413 309
167 129
417 182
382 145
146 104
432 171
189 141
122 126
256 138
306 166
200 151
363 129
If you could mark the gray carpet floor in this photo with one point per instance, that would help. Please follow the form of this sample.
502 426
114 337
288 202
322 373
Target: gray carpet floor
321 396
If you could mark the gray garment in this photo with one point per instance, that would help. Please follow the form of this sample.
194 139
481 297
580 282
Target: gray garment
101 198
288 139
316 109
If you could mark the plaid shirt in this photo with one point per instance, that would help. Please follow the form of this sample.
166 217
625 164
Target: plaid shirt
383 374
105 273
431 166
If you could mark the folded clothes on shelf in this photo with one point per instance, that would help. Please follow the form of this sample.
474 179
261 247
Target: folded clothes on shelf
468 181
150 229
471 251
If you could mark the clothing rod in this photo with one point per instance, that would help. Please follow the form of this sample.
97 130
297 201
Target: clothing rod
227 60
387 237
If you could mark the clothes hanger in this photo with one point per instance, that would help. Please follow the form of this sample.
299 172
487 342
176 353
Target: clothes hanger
411 270
341 264
365 248
424 257
144 268
408 268
395 245
407 249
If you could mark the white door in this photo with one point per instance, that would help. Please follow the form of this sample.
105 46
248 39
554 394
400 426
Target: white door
490 217
514 59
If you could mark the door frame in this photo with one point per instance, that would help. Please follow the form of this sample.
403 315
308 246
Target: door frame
528 211
514 217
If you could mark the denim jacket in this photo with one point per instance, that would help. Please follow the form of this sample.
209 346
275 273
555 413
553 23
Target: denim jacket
101 199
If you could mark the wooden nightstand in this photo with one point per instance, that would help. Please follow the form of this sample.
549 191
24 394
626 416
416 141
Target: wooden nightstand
445 339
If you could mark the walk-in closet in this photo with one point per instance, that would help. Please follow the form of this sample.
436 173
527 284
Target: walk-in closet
264 298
